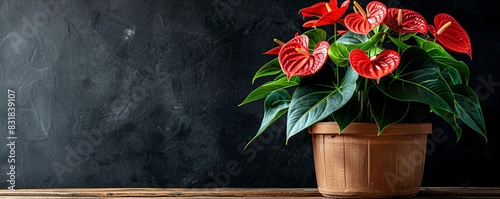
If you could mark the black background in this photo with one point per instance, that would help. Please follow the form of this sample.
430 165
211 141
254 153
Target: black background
122 93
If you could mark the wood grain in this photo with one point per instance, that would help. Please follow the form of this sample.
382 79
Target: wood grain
425 192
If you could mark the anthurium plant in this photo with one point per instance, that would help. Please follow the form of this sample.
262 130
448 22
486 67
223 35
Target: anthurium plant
378 65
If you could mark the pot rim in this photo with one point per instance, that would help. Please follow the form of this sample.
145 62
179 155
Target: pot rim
361 128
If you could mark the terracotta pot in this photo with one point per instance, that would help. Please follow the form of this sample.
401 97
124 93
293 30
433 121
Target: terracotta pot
360 163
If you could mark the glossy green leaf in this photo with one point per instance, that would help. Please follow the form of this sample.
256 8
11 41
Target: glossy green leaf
380 29
280 76
271 68
450 118
352 38
443 58
399 43
460 66
339 51
369 43
339 54
407 36
430 46
275 105
348 113
452 76
265 89
385 110
376 29
468 108
436 50
315 36
418 79
311 104
350 76
374 51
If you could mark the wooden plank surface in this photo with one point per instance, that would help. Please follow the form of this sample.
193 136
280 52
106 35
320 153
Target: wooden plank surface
425 192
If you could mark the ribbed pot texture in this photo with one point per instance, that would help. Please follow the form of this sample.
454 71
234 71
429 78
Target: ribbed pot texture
360 163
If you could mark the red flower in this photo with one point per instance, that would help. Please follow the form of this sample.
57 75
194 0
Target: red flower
405 21
363 22
450 34
328 13
375 67
295 59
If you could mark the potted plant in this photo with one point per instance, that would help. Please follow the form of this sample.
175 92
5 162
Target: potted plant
362 89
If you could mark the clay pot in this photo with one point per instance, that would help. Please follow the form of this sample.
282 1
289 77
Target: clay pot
360 163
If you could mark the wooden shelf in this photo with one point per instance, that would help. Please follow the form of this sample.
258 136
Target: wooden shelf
425 192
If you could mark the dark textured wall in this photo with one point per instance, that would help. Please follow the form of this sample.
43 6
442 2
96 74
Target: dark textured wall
122 93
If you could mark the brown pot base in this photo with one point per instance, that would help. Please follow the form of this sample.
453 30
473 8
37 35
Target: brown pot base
360 163
365 195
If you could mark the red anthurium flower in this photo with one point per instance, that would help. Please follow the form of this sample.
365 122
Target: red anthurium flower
318 9
328 13
362 22
276 50
405 21
375 67
295 59
450 34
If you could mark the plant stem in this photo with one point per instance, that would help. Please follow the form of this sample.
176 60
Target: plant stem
382 40
337 75
335 31
365 100
336 66
398 46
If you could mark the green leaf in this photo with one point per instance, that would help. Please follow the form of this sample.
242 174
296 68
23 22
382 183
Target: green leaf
399 43
452 76
280 76
385 110
352 38
450 118
442 57
380 28
271 68
376 29
339 51
370 43
374 51
468 108
265 89
348 113
418 79
437 51
350 76
407 36
315 36
339 54
432 48
311 104
460 66
275 105
468 111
